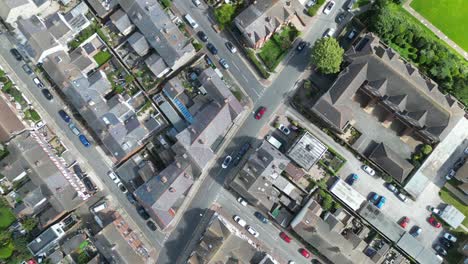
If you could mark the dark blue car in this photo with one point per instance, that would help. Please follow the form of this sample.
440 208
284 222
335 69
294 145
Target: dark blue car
241 153
261 217
352 179
84 140
64 116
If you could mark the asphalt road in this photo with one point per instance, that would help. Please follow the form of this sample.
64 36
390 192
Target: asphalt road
212 188
92 157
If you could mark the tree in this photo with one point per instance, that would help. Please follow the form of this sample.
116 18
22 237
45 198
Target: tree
327 55
224 14
426 149
29 223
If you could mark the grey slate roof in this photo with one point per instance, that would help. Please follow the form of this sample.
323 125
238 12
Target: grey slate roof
138 43
162 34
156 64
391 162
121 21
379 70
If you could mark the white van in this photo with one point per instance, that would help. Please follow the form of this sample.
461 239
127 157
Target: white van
100 207
191 21
196 2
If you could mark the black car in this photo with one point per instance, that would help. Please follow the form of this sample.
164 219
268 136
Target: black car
202 36
78 171
340 17
89 184
151 225
301 46
212 48
445 242
142 212
261 217
131 198
241 153
440 250
64 116
47 94
27 69
16 54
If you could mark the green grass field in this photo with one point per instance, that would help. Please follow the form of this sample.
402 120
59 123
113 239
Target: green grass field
450 16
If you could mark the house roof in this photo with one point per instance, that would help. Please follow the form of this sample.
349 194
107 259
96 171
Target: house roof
9 122
60 68
121 21
162 34
156 64
46 239
307 150
391 162
138 43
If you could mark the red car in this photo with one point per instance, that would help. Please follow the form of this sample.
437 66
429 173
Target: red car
434 222
305 253
404 222
260 112
285 237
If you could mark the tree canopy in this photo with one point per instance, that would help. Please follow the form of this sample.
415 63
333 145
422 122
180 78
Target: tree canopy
224 14
327 55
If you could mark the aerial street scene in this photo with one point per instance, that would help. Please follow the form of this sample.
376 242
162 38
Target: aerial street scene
233 131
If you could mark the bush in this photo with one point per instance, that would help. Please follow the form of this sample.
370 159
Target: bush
197 45
257 63
327 200
387 178
166 3
426 149
313 9
225 14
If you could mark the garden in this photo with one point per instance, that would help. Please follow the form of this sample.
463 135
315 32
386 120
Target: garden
274 50
102 57
12 248
448 16
332 161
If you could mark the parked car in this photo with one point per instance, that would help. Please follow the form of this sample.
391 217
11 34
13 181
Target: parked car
38 82
226 162
402 197
16 54
392 188
260 112
84 140
196 2
231 47
352 34
301 46
434 210
381 202
328 8
89 184
416 231
445 243
122 187
240 221
241 153
252 231
340 17
404 222
285 237
113 177
224 63
150 224
450 237
47 94
242 201
131 198
440 250
459 163
466 151
261 217
27 69
310 3
434 222
212 48
203 37
374 198
329 32
142 212
64 116
352 178
191 21
369 170
78 171
450 174
284 129
304 253
74 129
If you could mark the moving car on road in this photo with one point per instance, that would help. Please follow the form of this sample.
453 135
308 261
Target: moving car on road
212 48
231 47
328 8
260 112
226 162
434 222
64 116
47 94
252 231
369 170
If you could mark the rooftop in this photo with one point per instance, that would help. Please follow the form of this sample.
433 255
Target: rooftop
307 150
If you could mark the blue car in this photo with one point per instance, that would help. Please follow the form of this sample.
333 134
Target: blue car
261 217
374 198
64 116
352 178
84 140
381 202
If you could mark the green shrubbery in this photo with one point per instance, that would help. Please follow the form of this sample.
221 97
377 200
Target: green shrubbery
253 58
313 9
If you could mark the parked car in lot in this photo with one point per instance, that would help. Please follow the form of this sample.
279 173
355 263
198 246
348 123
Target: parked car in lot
434 222
404 222
27 69
242 201
260 112
440 250
459 163
224 63
74 129
392 188
240 221
231 47
64 116
352 179
329 32
328 8
241 153
78 171
381 202
113 177
150 224
416 231
84 140
196 2
340 17
304 253
226 162
368 170
252 231
450 237
445 243
261 217
47 94
131 198
285 237
450 175
402 197
212 48
310 3
374 198
434 210
203 37
16 54
284 129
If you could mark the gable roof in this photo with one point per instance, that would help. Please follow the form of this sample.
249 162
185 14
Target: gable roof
391 162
